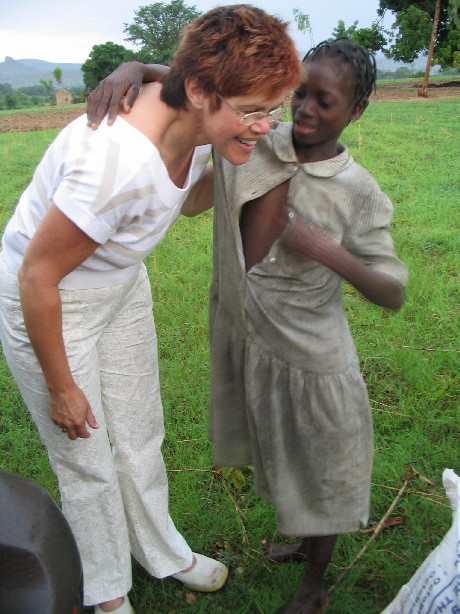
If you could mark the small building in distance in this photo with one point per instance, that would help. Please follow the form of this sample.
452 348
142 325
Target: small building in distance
63 97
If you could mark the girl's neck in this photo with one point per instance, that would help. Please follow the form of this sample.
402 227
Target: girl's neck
317 153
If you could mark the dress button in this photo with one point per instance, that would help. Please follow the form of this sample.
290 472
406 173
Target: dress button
272 259
295 168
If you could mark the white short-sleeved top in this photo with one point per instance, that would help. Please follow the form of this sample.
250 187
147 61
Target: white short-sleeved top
111 183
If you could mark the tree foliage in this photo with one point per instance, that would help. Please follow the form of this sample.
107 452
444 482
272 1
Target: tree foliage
413 26
103 59
157 29
48 85
372 38
303 23
341 30
6 88
57 74
448 54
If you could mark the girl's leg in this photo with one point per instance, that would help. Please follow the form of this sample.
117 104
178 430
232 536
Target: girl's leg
311 597
285 553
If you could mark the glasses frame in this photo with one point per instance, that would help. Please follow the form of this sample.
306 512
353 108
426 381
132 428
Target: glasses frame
247 119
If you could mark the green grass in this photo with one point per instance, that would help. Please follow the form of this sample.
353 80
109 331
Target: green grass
410 360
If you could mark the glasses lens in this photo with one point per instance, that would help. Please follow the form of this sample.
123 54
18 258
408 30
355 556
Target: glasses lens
252 118
276 113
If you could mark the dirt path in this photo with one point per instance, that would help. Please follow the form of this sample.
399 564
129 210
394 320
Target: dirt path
57 118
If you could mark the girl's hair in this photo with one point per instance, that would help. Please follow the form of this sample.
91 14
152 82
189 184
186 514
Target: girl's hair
233 51
361 62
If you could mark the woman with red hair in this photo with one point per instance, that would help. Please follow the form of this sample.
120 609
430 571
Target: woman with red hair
75 303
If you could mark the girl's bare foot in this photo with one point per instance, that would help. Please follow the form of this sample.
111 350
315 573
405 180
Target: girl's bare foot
284 553
307 603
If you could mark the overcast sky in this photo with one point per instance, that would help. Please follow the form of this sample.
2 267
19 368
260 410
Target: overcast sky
66 30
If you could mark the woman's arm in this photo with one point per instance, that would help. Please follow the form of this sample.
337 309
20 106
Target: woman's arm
200 196
316 243
120 89
57 248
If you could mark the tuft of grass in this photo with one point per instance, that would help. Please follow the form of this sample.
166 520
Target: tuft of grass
409 359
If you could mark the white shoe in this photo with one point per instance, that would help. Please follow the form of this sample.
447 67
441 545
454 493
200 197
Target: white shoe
206 576
124 608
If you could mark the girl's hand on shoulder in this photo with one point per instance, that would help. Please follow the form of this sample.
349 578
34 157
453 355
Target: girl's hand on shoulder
116 92
71 412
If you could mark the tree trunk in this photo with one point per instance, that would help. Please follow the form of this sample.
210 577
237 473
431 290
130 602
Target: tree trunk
424 90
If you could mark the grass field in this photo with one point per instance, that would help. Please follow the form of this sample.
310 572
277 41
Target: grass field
410 361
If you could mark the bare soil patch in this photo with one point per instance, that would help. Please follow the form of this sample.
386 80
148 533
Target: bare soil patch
409 91
57 118
54 118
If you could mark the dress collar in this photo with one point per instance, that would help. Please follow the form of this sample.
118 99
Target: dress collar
281 137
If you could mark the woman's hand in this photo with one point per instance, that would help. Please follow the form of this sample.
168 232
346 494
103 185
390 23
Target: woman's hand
119 90
70 411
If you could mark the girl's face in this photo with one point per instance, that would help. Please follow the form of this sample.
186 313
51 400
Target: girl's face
321 108
230 137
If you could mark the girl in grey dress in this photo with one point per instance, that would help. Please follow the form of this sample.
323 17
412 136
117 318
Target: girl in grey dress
287 393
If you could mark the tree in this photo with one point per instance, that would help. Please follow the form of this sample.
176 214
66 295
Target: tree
103 59
341 30
57 74
424 90
48 85
11 101
157 29
303 23
33 90
371 38
6 88
449 52
414 26
403 72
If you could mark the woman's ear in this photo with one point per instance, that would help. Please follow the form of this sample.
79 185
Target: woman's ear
194 92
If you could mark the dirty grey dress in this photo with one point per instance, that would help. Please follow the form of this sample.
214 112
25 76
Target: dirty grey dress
287 395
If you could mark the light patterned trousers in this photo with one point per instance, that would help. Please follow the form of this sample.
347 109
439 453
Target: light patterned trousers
113 486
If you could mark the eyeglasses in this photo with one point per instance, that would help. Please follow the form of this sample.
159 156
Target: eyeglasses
251 118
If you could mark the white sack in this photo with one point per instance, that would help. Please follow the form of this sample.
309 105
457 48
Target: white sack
435 586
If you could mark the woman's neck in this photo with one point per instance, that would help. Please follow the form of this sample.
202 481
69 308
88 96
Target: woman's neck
174 132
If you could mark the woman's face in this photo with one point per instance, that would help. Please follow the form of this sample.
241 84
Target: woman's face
230 137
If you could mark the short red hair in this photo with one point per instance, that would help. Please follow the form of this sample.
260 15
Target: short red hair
234 51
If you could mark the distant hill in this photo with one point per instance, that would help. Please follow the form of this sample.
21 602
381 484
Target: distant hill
386 64
21 73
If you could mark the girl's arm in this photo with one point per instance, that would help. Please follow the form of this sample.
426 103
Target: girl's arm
316 243
57 248
120 89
